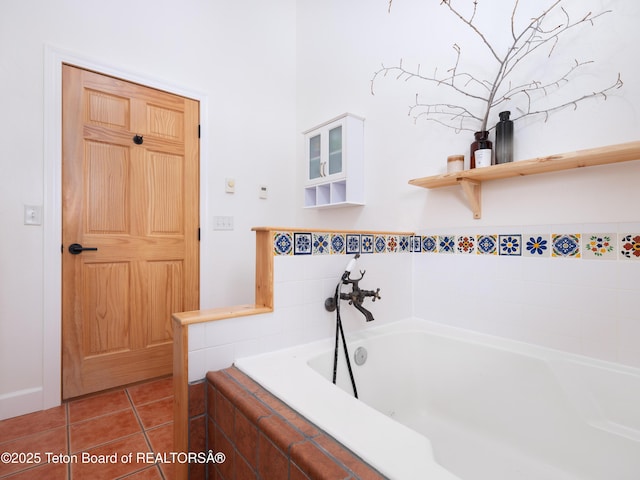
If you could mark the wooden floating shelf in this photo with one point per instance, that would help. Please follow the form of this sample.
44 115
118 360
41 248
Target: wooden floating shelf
471 180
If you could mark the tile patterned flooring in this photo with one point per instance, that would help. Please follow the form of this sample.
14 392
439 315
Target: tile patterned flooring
135 419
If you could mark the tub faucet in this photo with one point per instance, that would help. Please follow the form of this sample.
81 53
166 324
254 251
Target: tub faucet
356 296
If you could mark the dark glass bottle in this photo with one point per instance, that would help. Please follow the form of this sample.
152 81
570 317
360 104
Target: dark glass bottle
504 139
481 150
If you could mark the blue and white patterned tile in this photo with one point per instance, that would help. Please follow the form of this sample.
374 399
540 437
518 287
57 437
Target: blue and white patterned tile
465 244
321 243
416 243
353 243
566 245
487 245
380 244
430 243
337 243
302 243
366 244
404 244
446 243
599 246
629 246
537 245
510 245
282 243
392 243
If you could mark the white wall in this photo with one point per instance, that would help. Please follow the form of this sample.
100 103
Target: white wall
239 56
341 44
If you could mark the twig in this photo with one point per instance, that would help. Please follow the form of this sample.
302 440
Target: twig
498 91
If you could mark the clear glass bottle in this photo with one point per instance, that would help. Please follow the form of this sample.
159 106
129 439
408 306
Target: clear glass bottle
504 139
481 150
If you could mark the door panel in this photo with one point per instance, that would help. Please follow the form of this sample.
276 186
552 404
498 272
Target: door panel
138 205
106 307
106 188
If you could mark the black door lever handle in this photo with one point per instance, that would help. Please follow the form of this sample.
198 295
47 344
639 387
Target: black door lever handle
76 248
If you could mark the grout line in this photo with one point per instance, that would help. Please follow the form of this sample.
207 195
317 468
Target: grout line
98 445
138 419
137 472
144 432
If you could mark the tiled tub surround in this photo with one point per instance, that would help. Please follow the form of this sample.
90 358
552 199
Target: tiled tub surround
263 438
289 309
301 284
570 303
571 287
441 403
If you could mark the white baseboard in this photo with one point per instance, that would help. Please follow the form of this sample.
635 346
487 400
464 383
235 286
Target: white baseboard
17 403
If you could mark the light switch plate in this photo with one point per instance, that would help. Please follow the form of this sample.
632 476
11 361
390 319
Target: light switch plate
223 223
32 215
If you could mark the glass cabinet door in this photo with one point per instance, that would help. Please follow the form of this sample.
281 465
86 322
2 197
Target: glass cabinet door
335 150
315 162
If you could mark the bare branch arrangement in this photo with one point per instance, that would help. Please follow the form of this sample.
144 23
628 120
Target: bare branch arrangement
495 93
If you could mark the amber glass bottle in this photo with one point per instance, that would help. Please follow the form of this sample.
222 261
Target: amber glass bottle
481 150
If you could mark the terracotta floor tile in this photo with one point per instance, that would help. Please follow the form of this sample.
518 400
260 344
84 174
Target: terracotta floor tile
53 441
101 424
57 471
107 471
156 413
161 438
97 405
151 391
151 473
16 427
105 429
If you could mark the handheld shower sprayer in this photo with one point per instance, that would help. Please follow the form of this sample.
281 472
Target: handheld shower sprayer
350 266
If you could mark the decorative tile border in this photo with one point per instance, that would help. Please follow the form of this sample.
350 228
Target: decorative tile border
340 243
589 245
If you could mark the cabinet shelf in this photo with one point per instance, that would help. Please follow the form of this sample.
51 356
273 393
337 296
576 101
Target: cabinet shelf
471 180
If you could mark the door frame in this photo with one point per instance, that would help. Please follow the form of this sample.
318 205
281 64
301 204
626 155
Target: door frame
52 205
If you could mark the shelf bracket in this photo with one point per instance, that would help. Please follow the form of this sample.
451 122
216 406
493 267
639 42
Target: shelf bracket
472 190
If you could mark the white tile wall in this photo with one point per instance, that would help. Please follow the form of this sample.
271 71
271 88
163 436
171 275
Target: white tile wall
301 285
590 307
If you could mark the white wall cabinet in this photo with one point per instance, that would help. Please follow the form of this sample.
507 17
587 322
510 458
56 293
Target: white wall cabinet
334 157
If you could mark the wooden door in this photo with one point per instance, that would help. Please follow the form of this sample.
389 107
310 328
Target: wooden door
136 201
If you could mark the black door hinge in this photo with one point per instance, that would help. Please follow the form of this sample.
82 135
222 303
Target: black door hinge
198 233
198 131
